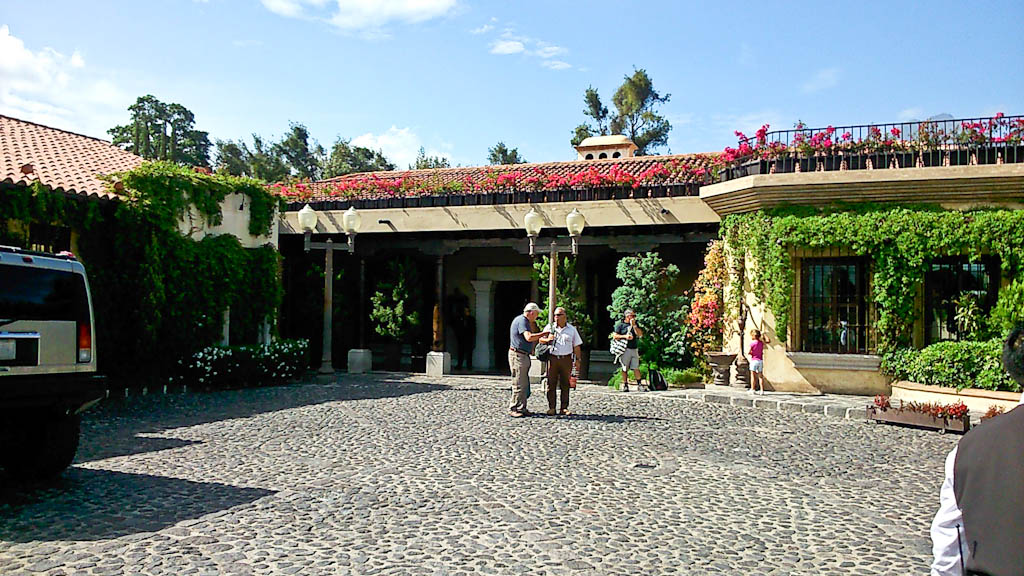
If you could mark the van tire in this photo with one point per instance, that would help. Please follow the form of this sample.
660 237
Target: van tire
40 447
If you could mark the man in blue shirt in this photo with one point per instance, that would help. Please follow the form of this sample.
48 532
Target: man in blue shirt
521 340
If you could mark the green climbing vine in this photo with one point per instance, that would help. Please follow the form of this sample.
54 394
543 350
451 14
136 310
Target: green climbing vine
899 240
158 295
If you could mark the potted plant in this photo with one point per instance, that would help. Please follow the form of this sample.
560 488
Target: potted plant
952 417
394 311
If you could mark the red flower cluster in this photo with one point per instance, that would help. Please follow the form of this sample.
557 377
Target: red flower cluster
376 186
936 410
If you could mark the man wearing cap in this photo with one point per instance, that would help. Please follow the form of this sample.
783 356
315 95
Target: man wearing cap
522 338
628 330
979 528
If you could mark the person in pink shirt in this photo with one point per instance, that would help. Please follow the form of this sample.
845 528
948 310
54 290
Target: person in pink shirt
756 354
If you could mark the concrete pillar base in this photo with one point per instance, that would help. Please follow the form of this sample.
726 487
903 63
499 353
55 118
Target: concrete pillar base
360 360
439 364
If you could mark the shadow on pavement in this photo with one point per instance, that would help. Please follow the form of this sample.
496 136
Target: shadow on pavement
112 428
606 418
101 504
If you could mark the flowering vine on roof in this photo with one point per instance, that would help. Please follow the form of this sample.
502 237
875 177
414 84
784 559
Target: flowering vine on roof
698 168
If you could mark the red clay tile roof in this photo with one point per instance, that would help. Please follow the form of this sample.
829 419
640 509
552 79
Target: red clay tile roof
681 168
60 160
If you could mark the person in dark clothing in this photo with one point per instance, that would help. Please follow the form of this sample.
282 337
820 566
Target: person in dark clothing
979 528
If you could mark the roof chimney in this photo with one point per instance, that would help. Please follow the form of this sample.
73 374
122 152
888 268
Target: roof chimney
602 147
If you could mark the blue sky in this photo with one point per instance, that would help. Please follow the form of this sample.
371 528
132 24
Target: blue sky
457 76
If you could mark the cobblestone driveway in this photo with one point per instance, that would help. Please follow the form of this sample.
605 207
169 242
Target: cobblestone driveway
404 475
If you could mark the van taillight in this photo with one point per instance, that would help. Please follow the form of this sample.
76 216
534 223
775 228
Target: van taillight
84 342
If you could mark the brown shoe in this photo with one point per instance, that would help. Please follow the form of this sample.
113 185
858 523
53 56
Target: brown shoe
551 411
515 414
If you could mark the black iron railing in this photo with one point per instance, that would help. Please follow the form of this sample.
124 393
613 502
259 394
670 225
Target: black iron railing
939 142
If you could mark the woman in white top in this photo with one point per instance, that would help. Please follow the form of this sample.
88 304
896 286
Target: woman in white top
565 345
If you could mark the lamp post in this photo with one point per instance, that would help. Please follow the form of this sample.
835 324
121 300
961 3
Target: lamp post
534 223
350 222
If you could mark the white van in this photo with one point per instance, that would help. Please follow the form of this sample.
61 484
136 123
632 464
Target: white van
47 360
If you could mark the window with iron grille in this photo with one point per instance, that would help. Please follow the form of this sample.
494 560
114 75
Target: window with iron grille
950 286
49 238
833 306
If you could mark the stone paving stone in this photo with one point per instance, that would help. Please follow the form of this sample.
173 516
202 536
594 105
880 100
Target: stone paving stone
400 474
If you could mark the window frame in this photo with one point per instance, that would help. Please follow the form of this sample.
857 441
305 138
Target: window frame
809 307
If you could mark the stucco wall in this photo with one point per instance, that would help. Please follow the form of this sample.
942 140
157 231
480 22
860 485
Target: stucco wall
235 212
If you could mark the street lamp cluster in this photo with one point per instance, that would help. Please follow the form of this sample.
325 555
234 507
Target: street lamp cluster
534 223
350 222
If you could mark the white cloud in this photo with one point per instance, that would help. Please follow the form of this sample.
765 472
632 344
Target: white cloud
548 51
482 30
513 43
555 64
47 87
822 80
362 15
507 47
400 145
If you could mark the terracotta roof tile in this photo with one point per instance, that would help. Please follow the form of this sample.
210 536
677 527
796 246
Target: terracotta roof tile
60 160
327 189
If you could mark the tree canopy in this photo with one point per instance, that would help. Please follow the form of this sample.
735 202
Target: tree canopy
162 131
303 155
501 154
424 162
635 114
346 159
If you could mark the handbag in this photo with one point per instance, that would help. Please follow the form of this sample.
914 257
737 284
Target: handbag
542 351
617 347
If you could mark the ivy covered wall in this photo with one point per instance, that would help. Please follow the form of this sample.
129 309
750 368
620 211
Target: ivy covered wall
899 240
159 296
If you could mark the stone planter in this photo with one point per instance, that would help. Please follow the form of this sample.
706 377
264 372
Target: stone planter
918 419
720 363
978 401
742 379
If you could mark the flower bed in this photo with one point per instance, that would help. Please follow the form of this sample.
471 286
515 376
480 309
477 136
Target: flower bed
952 417
243 366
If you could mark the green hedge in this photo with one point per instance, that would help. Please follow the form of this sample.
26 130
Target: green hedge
953 364
243 366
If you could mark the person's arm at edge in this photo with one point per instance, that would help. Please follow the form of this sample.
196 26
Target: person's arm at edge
949 551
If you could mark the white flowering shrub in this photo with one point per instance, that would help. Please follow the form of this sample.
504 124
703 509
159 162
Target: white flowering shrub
243 366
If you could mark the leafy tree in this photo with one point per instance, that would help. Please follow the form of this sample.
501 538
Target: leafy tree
347 159
635 102
160 131
265 161
568 295
396 302
231 158
424 162
598 112
501 154
648 287
304 156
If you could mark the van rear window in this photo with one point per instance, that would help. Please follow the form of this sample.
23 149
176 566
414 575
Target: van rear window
28 293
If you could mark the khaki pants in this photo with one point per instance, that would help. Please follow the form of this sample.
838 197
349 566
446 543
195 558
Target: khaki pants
559 370
519 365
